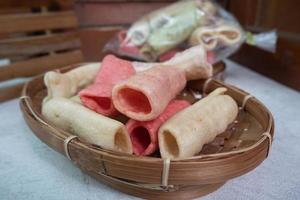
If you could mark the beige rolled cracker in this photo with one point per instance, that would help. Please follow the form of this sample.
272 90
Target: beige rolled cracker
210 37
185 133
193 62
205 36
67 84
230 35
88 125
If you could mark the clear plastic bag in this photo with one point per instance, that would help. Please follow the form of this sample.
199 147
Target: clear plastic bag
163 32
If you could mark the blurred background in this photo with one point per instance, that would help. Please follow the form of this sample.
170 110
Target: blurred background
40 35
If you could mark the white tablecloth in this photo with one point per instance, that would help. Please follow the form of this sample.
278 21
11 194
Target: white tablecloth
31 170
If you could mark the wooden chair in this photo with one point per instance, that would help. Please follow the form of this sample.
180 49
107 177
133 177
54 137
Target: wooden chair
35 36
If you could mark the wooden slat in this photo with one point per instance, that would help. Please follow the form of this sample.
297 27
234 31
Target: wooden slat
39 65
35 22
13 59
14 10
39 44
108 13
10 92
4 4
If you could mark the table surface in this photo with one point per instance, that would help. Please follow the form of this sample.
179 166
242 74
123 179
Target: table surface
29 169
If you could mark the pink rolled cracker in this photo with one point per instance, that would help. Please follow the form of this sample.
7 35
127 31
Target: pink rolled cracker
98 96
144 135
145 96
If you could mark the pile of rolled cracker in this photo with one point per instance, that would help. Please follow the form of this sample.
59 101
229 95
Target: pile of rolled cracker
86 101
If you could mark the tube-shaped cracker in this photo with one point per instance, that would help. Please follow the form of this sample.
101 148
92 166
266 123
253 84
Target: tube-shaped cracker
185 133
230 35
145 96
88 125
67 84
210 37
97 96
205 36
192 61
144 135
164 24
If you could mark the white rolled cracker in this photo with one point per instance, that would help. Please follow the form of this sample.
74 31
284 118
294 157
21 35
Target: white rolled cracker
185 133
229 34
67 84
206 36
88 125
193 61
209 37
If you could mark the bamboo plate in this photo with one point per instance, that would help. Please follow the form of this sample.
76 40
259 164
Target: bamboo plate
241 148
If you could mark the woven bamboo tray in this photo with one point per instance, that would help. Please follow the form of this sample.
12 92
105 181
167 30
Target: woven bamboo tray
241 148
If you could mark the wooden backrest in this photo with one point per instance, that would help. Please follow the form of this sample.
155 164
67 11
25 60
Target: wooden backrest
35 36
